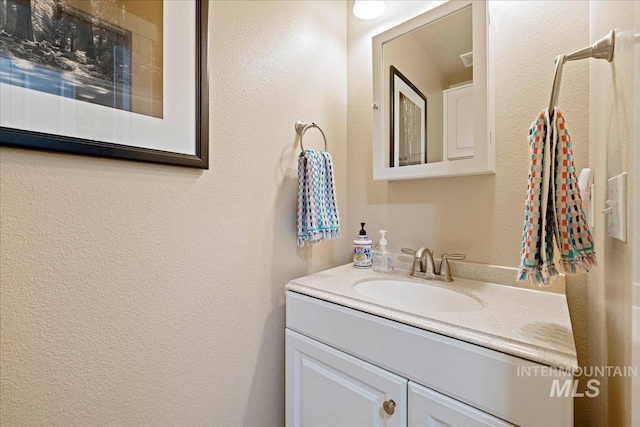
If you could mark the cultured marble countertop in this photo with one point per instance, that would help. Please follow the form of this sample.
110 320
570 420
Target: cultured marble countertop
530 324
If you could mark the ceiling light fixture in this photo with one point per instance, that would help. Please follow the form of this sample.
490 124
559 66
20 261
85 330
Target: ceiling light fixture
368 9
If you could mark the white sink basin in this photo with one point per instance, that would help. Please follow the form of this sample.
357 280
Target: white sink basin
418 296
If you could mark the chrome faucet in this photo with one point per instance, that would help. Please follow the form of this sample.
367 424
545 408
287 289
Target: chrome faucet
424 266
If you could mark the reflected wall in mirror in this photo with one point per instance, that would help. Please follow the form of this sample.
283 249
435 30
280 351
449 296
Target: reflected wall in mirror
433 88
434 61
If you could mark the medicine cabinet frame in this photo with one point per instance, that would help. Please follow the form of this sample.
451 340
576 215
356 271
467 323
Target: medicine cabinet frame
483 161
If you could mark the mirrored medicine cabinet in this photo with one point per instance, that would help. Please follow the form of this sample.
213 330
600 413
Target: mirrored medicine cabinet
433 112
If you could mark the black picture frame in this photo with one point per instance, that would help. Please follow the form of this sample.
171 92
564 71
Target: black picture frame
52 142
392 74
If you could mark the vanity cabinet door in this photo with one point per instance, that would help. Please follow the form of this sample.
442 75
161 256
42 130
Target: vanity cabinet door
430 408
326 387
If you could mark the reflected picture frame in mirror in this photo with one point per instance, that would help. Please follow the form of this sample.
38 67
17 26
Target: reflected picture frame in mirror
386 165
408 110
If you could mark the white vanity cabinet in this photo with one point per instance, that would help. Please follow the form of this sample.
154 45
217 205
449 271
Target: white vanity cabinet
345 367
330 388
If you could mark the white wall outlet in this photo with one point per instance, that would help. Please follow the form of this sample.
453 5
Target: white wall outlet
586 187
617 207
584 182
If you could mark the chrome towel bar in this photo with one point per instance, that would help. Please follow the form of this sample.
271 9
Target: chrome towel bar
602 49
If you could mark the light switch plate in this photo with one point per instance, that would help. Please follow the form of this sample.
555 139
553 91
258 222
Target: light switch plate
617 200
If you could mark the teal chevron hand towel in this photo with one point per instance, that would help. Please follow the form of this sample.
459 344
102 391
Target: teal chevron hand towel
317 213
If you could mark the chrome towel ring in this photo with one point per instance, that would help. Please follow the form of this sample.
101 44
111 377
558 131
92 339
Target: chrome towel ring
301 128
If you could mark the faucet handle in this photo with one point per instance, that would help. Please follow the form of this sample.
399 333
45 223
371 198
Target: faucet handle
445 268
408 251
455 257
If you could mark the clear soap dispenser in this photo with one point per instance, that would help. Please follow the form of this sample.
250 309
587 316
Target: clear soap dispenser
382 259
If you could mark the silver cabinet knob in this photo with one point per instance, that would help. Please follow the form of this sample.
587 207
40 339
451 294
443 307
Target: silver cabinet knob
389 407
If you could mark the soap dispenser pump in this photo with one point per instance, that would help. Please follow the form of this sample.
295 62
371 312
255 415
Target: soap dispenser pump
362 249
382 259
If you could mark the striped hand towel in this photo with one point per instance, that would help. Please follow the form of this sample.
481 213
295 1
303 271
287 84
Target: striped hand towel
554 206
317 205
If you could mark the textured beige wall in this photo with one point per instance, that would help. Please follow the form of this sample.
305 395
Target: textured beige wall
635 327
611 153
144 294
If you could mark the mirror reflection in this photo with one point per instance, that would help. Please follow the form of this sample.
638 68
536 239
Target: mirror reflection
430 92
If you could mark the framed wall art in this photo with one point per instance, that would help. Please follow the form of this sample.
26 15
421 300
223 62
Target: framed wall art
111 78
